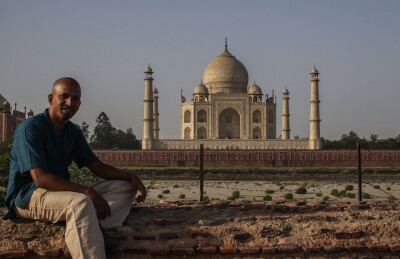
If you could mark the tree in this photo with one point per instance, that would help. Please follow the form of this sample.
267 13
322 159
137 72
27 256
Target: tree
85 130
127 140
103 134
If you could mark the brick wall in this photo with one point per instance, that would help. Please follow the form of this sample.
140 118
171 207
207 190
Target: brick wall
252 158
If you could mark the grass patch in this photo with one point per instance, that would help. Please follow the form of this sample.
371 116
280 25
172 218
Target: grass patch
301 190
267 198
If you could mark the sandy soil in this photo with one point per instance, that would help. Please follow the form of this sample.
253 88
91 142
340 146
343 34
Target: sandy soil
256 190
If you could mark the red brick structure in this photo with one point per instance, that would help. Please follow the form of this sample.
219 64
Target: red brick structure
251 158
9 120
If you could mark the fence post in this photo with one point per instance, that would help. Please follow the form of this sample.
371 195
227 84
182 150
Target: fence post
359 172
201 171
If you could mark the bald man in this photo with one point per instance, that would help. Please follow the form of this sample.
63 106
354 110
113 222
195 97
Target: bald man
39 186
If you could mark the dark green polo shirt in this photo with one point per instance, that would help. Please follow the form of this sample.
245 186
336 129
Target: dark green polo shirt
37 144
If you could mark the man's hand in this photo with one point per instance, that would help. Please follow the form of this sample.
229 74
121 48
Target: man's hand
138 185
99 203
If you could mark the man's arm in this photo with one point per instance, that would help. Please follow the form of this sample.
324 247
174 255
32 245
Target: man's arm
111 173
51 182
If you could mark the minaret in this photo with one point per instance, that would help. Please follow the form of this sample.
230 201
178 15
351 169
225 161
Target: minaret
315 141
6 112
148 110
285 115
155 114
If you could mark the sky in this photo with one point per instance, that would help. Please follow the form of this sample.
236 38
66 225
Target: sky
106 46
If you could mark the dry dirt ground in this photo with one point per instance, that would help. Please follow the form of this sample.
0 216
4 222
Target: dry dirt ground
174 227
256 190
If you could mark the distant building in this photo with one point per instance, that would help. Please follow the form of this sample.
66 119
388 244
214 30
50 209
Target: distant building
226 113
10 119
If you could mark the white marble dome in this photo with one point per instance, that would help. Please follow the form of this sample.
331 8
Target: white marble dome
226 74
200 89
255 89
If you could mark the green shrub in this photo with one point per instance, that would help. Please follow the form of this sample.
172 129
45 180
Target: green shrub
301 190
318 194
281 187
230 199
176 186
326 198
350 195
289 196
165 191
82 175
182 196
269 191
391 199
342 193
246 201
213 199
388 189
205 198
219 183
377 187
349 187
366 196
236 194
267 198
160 196
335 192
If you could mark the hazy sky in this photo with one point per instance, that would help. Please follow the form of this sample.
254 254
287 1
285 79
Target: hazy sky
106 46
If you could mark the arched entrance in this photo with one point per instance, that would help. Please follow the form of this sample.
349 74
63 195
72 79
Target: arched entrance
229 124
257 133
201 133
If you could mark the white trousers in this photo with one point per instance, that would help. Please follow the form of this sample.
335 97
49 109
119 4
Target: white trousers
82 233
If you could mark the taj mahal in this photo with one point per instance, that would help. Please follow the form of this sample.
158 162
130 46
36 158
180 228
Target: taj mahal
226 113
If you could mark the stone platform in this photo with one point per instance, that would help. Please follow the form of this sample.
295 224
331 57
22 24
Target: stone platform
227 229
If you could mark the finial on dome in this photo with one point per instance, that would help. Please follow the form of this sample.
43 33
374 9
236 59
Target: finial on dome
226 43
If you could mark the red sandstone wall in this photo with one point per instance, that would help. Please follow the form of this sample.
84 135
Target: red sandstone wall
251 158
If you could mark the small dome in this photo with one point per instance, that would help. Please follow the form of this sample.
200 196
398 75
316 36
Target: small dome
314 71
286 91
6 104
255 89
155 91
201 89
148 70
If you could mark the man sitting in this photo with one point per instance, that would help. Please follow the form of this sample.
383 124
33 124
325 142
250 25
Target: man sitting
39 186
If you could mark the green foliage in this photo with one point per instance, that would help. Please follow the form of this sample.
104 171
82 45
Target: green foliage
377 187
366 196
349 187
350 140
269 191
206 198
391 199
301 190
176 186
318 194
281 187
230 199
335 192
82 175
182 196
267 198
165 191
5 149
236 194
160 196
326 198
388 189
351 195
105 136
151 184
85 129
342 193
289 196
104 133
